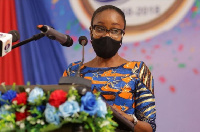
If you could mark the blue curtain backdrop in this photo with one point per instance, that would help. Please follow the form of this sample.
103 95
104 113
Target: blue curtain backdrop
42 60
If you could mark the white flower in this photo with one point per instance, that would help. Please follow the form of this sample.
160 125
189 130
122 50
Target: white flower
28 90
7 107
104 123
28 118
3 83
11 125
42 122
72 98
33 122
22 125
73 88
75 115
22 110
18 123
38 121
15 102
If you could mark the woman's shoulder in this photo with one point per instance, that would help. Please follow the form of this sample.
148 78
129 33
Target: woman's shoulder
139 65
145 75
74 64
134 64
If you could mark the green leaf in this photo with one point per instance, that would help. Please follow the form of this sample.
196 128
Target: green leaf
90 123
28 83
74 92
39 101
97 95
49 127
21 89
13 86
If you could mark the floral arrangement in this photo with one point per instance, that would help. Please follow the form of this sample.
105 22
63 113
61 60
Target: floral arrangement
34 110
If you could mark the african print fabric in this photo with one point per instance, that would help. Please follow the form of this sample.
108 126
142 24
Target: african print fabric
129 87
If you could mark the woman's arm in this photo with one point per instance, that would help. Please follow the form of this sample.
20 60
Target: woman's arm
141 126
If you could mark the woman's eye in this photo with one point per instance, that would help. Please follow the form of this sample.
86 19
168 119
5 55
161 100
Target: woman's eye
100 30
114 31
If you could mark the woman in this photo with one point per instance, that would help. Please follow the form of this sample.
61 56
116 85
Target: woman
125 85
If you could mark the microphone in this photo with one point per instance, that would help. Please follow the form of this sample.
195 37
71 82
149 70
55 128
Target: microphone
15 35
80 83
6 40
82 41
64 40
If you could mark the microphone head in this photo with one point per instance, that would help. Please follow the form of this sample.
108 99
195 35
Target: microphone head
43 28
15 35
69 42
83 40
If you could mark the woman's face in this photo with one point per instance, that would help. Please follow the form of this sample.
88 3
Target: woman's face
110 19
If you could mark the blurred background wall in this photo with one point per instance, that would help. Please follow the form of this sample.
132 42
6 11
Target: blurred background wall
165 34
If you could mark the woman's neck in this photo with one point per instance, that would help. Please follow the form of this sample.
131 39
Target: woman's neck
111 62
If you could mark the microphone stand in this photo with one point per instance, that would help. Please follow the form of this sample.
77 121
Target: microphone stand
82 85
79 68
34 37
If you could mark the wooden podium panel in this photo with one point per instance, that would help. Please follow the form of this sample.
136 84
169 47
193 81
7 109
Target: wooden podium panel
48 87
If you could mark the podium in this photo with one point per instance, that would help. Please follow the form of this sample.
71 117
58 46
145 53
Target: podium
46 88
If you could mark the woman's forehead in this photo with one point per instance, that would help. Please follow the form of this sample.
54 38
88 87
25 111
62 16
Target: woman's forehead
108 16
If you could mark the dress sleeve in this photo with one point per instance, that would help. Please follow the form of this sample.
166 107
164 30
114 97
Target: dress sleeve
145 109
71 69
67 71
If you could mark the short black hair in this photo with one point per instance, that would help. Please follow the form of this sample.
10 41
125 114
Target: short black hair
107 7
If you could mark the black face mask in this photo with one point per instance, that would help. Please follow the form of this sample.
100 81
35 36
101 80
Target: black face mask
105 47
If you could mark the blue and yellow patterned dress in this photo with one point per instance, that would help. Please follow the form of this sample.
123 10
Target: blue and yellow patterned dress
129 87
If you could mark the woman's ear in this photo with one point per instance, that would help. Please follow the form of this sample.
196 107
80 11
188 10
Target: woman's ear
90 28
